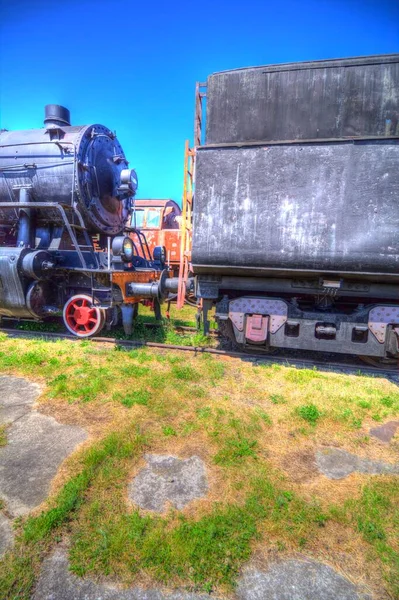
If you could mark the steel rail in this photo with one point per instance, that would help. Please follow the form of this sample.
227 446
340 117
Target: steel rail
287 361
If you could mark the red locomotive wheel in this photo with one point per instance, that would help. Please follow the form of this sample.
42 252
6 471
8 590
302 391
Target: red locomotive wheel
81 317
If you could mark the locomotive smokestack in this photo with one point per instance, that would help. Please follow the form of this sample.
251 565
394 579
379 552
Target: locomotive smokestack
54 114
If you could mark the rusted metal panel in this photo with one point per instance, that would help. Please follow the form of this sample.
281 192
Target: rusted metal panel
123 278
170 238
321 207
167 231
312 100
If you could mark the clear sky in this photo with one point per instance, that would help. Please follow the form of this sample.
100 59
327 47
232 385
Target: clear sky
132 66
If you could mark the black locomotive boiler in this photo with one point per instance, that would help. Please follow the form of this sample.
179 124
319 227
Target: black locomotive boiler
296 211
66 194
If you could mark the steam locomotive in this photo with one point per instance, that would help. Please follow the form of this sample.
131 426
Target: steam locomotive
296 211
66 195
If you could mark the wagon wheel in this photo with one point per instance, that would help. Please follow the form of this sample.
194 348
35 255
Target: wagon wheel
81 317
387 364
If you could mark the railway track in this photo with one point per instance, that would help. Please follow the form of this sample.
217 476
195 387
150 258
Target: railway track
350 365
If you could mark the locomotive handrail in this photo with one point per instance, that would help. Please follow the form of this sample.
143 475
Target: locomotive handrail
58 207
60 144
56 142
144 248
26 166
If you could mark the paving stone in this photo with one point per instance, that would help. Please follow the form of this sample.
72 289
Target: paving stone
337 464
6 534
287 580
16 397
385 432
167 478
36 446
297 580
57 583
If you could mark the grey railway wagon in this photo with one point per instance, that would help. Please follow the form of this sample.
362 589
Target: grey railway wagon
299 172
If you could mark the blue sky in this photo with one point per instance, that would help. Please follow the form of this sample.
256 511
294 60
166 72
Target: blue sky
132 66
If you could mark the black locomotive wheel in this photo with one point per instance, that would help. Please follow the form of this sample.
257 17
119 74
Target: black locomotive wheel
391 364
227 337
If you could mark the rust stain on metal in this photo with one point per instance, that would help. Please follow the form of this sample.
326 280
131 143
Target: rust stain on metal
160 221
122 278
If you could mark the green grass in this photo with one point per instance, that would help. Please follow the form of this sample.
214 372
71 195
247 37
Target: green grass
277 399
140 397
18 569
309 413
263 415
205 553
145 328
185 372
376 517
245 419
234 450
169 431
3 435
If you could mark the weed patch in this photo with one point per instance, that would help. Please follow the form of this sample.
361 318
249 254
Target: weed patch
140 397
310 413
277 399
168 431
234 450
185 373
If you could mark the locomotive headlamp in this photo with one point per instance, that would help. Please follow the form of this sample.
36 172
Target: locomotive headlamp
123 246
159 254
129 178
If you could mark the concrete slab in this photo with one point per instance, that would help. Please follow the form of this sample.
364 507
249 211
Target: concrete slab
36 446
385 432
297 580
57 583
167 478
287 580
335 463
16 397
6 534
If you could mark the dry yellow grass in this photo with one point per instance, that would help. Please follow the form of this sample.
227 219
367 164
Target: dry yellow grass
202 405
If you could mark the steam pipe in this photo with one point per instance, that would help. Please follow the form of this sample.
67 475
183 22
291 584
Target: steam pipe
24 220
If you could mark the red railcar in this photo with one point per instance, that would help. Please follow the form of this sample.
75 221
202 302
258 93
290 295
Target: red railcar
160 221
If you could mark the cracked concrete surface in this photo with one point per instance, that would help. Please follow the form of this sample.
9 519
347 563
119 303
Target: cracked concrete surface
285 580
335 463
167 478
297 580
6 534
57 583
385 432
36 446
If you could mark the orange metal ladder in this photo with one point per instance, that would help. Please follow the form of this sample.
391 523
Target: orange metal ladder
188 195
